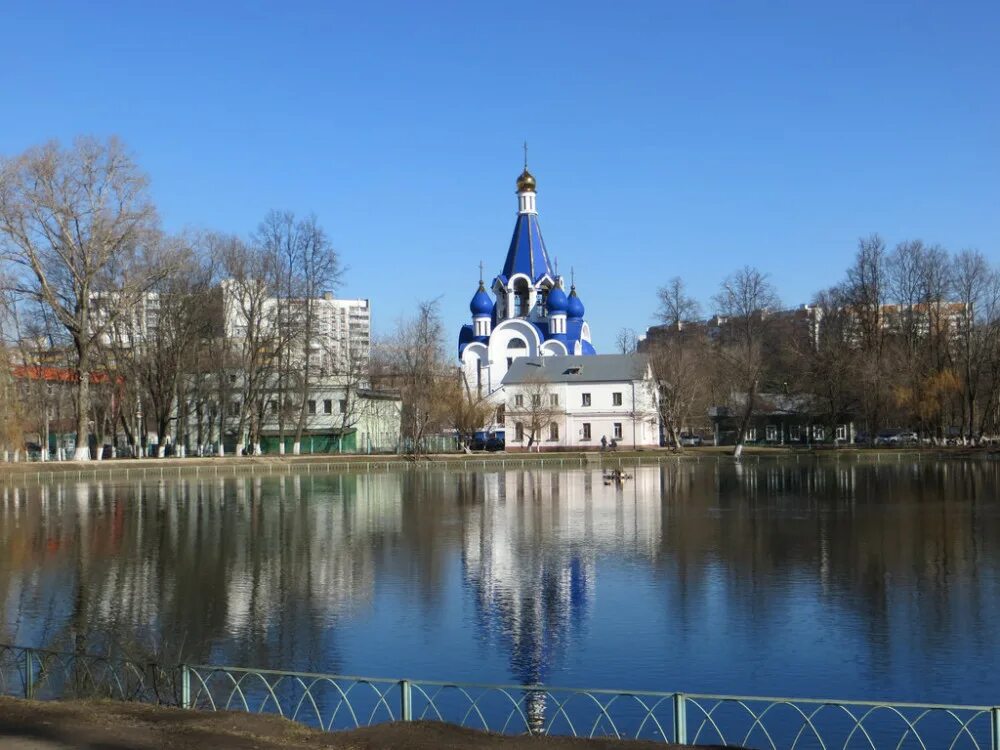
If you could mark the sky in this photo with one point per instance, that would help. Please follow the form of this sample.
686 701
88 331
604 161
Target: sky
668 138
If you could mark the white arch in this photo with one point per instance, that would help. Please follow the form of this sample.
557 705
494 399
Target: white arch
546 280
514 328
515 277
475 350
554 348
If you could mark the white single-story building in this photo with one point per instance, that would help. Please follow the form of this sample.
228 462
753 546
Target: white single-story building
572 402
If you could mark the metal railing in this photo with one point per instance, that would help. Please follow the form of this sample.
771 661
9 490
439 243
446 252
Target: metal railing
332 702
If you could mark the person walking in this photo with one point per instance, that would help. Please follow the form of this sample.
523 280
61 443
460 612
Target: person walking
604 442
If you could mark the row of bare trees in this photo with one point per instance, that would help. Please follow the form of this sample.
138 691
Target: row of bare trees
122 327
909 338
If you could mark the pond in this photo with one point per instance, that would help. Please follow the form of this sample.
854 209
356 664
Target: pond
821 578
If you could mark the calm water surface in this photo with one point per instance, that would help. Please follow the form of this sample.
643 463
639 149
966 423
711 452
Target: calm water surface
830 579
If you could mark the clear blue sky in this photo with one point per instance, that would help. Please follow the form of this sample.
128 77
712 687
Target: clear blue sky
668 138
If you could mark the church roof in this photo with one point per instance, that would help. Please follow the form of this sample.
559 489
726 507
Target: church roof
596 368
527 252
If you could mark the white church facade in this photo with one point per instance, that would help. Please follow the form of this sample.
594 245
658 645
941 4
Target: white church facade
526 316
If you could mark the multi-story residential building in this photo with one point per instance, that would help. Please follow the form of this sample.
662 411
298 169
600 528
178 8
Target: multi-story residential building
341 331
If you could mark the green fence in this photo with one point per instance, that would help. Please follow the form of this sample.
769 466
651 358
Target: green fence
332 702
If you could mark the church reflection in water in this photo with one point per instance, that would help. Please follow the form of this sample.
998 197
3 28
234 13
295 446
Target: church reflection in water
283 572
530 555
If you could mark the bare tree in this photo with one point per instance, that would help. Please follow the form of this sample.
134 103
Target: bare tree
277 239
350 379
676 306
977 291
13 416
321 273
246 292
412 361
76 223
534 406
467 409
680 361
827 359
746 299
626 341
865 294
166 348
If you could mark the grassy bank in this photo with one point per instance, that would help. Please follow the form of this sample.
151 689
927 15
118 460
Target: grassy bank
37 725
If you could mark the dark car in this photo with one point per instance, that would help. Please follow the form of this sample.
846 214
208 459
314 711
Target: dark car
496 442
478 442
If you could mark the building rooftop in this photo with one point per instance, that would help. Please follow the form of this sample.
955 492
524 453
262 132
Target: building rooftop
595 368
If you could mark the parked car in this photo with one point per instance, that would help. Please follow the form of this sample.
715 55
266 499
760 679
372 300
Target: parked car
496 442
690 440
478 442
893 438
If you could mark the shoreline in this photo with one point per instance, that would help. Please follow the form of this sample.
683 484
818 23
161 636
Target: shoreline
82 725
228 466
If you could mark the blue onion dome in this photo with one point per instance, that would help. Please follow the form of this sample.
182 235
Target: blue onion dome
557 301
481 304
574 307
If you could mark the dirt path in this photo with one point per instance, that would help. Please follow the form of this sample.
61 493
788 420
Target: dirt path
110 725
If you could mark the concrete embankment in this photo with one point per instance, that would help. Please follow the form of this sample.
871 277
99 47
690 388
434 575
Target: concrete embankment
155 468
80 725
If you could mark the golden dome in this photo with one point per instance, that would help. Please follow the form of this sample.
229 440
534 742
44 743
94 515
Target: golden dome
526 182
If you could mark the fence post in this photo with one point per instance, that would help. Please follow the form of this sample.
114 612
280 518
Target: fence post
29 675
405 700
680 719
995 728
185 686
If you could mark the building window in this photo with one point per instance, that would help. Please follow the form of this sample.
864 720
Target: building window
553 431
586 431
618 430
234 409
752 434
518 432
327 406
772 433
842 432
518 400
795 432
554 399
616 399
586 399
312 407
819 433
501 414
343 406
536 400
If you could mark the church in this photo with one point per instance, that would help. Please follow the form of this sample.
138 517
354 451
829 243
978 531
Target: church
529 313
528 349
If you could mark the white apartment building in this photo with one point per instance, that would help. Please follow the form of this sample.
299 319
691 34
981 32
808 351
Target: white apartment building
573 402
343 326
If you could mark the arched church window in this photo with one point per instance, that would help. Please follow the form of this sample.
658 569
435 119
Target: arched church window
521 296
